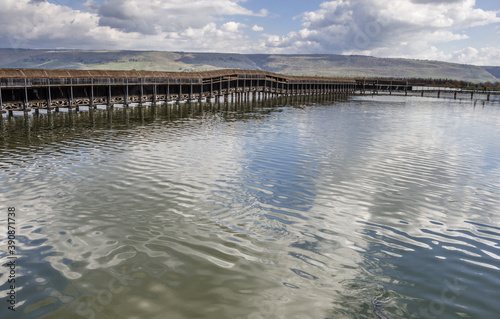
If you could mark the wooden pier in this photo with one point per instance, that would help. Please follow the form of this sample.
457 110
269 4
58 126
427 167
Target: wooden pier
32 90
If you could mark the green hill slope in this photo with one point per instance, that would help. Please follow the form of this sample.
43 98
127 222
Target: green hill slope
323 65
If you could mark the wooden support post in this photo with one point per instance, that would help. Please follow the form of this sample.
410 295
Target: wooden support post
488 97
142 92
237 89
264 89
110 104
200 96
244 90
71 94
455 95
471 95
25 104
91 102
50 97
220 88
155 93
167 98
439 94
211 88
125 98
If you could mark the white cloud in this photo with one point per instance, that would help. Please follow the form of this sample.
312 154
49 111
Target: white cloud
256 28
399 28
231 26
482 56
152 17
27 24
126 24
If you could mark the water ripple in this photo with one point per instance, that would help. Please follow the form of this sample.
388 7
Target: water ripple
279 212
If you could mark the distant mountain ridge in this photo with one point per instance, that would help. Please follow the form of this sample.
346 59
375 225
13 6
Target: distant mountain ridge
317 64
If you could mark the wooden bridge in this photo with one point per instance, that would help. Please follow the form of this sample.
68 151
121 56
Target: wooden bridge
36 89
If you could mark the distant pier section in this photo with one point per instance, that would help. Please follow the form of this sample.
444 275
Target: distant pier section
37 89
403 87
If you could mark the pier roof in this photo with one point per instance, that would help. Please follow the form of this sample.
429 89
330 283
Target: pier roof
96 74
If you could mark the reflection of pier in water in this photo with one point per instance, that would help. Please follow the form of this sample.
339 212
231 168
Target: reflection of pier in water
31 90
41 128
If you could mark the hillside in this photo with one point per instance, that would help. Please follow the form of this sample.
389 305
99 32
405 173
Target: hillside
494 70
323 65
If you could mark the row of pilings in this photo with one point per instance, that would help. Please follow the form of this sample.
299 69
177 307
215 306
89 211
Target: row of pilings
23 90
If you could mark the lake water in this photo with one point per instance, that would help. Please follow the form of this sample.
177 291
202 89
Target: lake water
375 206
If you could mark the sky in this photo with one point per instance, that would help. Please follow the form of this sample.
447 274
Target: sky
461 31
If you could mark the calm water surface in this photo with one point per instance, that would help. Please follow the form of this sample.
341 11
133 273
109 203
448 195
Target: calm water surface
284 212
